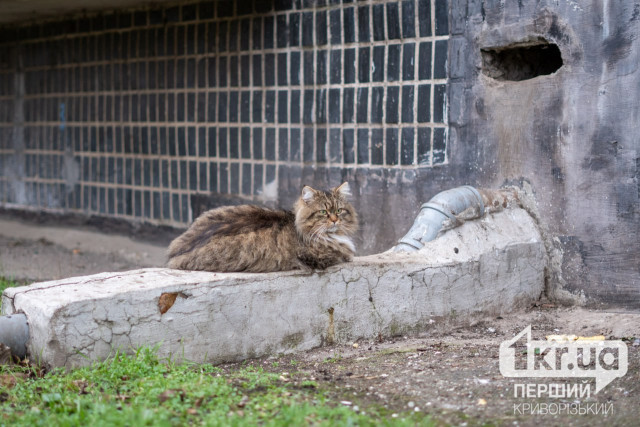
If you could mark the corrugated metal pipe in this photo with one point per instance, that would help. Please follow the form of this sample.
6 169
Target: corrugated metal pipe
433 214
449 209
14 333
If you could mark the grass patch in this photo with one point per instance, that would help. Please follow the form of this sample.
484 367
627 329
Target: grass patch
4 284
143 390
7 283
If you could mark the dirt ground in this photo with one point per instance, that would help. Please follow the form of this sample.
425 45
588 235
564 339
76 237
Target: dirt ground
449 373
454 376
30 252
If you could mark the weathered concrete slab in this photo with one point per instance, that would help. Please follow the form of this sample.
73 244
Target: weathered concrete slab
487 266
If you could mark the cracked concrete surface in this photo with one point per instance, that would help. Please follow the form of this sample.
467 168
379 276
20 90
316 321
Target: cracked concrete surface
488 266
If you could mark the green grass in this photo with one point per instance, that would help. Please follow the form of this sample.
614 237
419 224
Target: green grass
142 390
4 284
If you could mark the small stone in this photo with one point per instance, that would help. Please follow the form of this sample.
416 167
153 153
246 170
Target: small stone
411 404
355 345
482 402
346 403
491 330
5 355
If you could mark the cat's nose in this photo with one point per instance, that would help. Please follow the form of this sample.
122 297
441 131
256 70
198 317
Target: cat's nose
333 218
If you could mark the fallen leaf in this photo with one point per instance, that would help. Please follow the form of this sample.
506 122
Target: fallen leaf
170 393
81 385
7 380
243 402
592 338
568 338
166 301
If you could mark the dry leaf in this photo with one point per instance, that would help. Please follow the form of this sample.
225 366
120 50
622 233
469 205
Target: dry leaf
592 338
243 402
7 380
568 338
166 301
168 394
81 385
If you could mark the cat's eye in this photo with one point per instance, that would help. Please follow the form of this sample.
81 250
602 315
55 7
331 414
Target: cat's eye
323 212
339 211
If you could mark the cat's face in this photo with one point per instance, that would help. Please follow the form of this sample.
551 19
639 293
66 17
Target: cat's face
319 213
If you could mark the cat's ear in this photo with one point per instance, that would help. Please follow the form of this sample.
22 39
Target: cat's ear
344 189
308 194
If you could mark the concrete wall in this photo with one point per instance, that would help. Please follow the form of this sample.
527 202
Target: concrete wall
154 114
572 134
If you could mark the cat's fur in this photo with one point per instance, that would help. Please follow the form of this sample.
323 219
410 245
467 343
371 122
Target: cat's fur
316 235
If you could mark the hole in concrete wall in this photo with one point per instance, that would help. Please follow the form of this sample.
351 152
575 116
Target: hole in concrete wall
521 62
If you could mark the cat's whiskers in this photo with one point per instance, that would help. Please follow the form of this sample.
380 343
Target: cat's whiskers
315 235
321 232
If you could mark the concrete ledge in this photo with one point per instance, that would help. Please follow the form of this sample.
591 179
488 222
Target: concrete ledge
489 266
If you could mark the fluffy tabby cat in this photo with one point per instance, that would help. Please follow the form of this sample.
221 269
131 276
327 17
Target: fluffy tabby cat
316 235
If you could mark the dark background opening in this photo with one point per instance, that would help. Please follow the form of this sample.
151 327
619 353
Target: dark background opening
518 63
